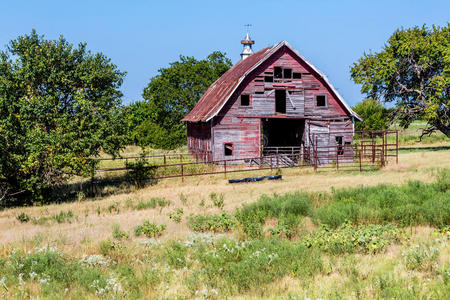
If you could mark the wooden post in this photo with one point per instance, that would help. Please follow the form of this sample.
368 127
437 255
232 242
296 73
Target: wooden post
225 168
396 147
373 150
181 158
165 162
337 157
360 164
182 173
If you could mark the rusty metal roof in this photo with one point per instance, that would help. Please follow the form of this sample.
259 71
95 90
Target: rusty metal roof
221 90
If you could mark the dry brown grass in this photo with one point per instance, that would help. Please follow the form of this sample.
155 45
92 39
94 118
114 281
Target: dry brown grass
88 225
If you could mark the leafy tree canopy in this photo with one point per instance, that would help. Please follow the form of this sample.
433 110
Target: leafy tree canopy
59 107
375 116
413 71
173 93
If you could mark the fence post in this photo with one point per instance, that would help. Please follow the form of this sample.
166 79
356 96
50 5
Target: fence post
337 158
373 150
181 158
182 173
396 146
271 167
225 168
360 165
165 162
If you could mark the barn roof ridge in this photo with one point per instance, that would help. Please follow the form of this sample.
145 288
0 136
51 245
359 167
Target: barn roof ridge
213 101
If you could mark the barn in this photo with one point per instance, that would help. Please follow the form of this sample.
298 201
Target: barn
272 101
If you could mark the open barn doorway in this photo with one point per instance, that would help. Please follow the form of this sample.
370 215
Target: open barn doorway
281 135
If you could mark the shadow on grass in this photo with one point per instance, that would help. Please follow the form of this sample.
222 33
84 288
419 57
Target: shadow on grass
422 149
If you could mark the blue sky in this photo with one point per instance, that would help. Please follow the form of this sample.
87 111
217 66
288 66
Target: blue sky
142 36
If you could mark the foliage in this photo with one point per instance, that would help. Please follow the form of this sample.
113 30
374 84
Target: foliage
217 200
412 70
118 233
134 115
149 229
374 115
23 218
152 203
421 257
215 223
176 215
139 172
409 204
350 239
59 107
173 93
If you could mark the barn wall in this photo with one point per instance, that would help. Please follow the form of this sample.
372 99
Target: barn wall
199 139
244 135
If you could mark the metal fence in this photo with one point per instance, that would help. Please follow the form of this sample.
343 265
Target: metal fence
370 152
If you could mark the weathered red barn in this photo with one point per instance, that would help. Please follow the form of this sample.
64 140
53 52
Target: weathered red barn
272 101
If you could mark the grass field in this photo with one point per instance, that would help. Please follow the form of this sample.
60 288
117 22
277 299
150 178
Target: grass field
327 235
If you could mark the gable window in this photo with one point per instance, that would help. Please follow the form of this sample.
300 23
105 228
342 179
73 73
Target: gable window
277 72
340 143
296 75
280 101
287 73
321 101
245 100
228 149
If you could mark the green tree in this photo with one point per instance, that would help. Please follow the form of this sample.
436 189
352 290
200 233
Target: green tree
134 115
413 71
59 107
374 115
173 93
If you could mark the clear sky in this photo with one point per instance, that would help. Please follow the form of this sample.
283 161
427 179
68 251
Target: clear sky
142 36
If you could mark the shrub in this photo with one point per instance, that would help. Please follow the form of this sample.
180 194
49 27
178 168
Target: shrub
217 200
140 171
63 217
152 203
119 233
115 207
149 229
350 239
216 223
23 218
176 215
176 255
421 257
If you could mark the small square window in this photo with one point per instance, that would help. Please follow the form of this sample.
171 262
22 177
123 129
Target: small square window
228 149
287 73
245 100
297 75
278 72
268 78
321 100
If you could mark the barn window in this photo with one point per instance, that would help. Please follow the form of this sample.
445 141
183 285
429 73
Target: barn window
278 72
296 75
287 73
228 149
280 101
245 100
268 78
321 100
340 143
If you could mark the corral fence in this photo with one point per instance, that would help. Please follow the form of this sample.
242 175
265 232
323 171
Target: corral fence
369 151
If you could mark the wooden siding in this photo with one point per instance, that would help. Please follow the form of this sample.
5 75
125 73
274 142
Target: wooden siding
199 139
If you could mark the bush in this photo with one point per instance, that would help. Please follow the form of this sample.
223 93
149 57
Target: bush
216 223
374 114
149 229
152 203
119 233
23 218
140 172
217 200
350 239
421 257
176 215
